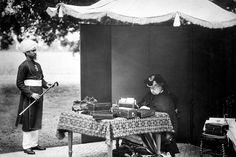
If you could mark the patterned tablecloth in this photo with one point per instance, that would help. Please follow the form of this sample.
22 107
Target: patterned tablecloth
113 128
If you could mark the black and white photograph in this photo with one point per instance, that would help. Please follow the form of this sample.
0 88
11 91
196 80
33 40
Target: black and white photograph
118 78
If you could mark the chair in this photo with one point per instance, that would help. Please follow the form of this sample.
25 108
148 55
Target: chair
214 140
217 145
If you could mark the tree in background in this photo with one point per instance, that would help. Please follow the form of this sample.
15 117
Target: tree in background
23 18
28 18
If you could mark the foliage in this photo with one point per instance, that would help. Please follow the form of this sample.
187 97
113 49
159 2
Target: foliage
28 18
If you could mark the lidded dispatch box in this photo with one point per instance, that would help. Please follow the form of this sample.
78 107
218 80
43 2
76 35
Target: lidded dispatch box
126 112
126 108
102 114
216 129
217 126
143 113
99 106
89 105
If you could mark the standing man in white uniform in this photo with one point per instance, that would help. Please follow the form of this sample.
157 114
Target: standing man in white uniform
30 81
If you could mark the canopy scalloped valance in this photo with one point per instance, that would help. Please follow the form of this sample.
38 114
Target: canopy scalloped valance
143 12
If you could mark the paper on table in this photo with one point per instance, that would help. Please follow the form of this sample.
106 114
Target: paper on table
127 101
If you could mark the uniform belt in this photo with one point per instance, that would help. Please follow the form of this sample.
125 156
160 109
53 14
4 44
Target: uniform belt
33 83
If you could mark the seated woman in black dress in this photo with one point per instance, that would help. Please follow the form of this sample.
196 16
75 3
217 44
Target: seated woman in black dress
159 99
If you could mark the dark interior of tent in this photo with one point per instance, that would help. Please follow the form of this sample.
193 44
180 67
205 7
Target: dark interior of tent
198 64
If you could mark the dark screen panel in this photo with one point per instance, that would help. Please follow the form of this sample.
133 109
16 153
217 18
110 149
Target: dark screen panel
129 61
96 62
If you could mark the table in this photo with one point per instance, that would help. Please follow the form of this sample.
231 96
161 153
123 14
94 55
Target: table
73 122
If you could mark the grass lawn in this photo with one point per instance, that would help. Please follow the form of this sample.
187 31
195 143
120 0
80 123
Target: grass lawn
56 101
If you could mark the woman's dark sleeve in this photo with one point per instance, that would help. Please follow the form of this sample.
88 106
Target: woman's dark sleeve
21 75
145 101
163 103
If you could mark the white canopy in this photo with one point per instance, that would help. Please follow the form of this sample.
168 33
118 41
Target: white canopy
199 12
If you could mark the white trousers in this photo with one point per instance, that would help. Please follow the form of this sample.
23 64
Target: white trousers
30 139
